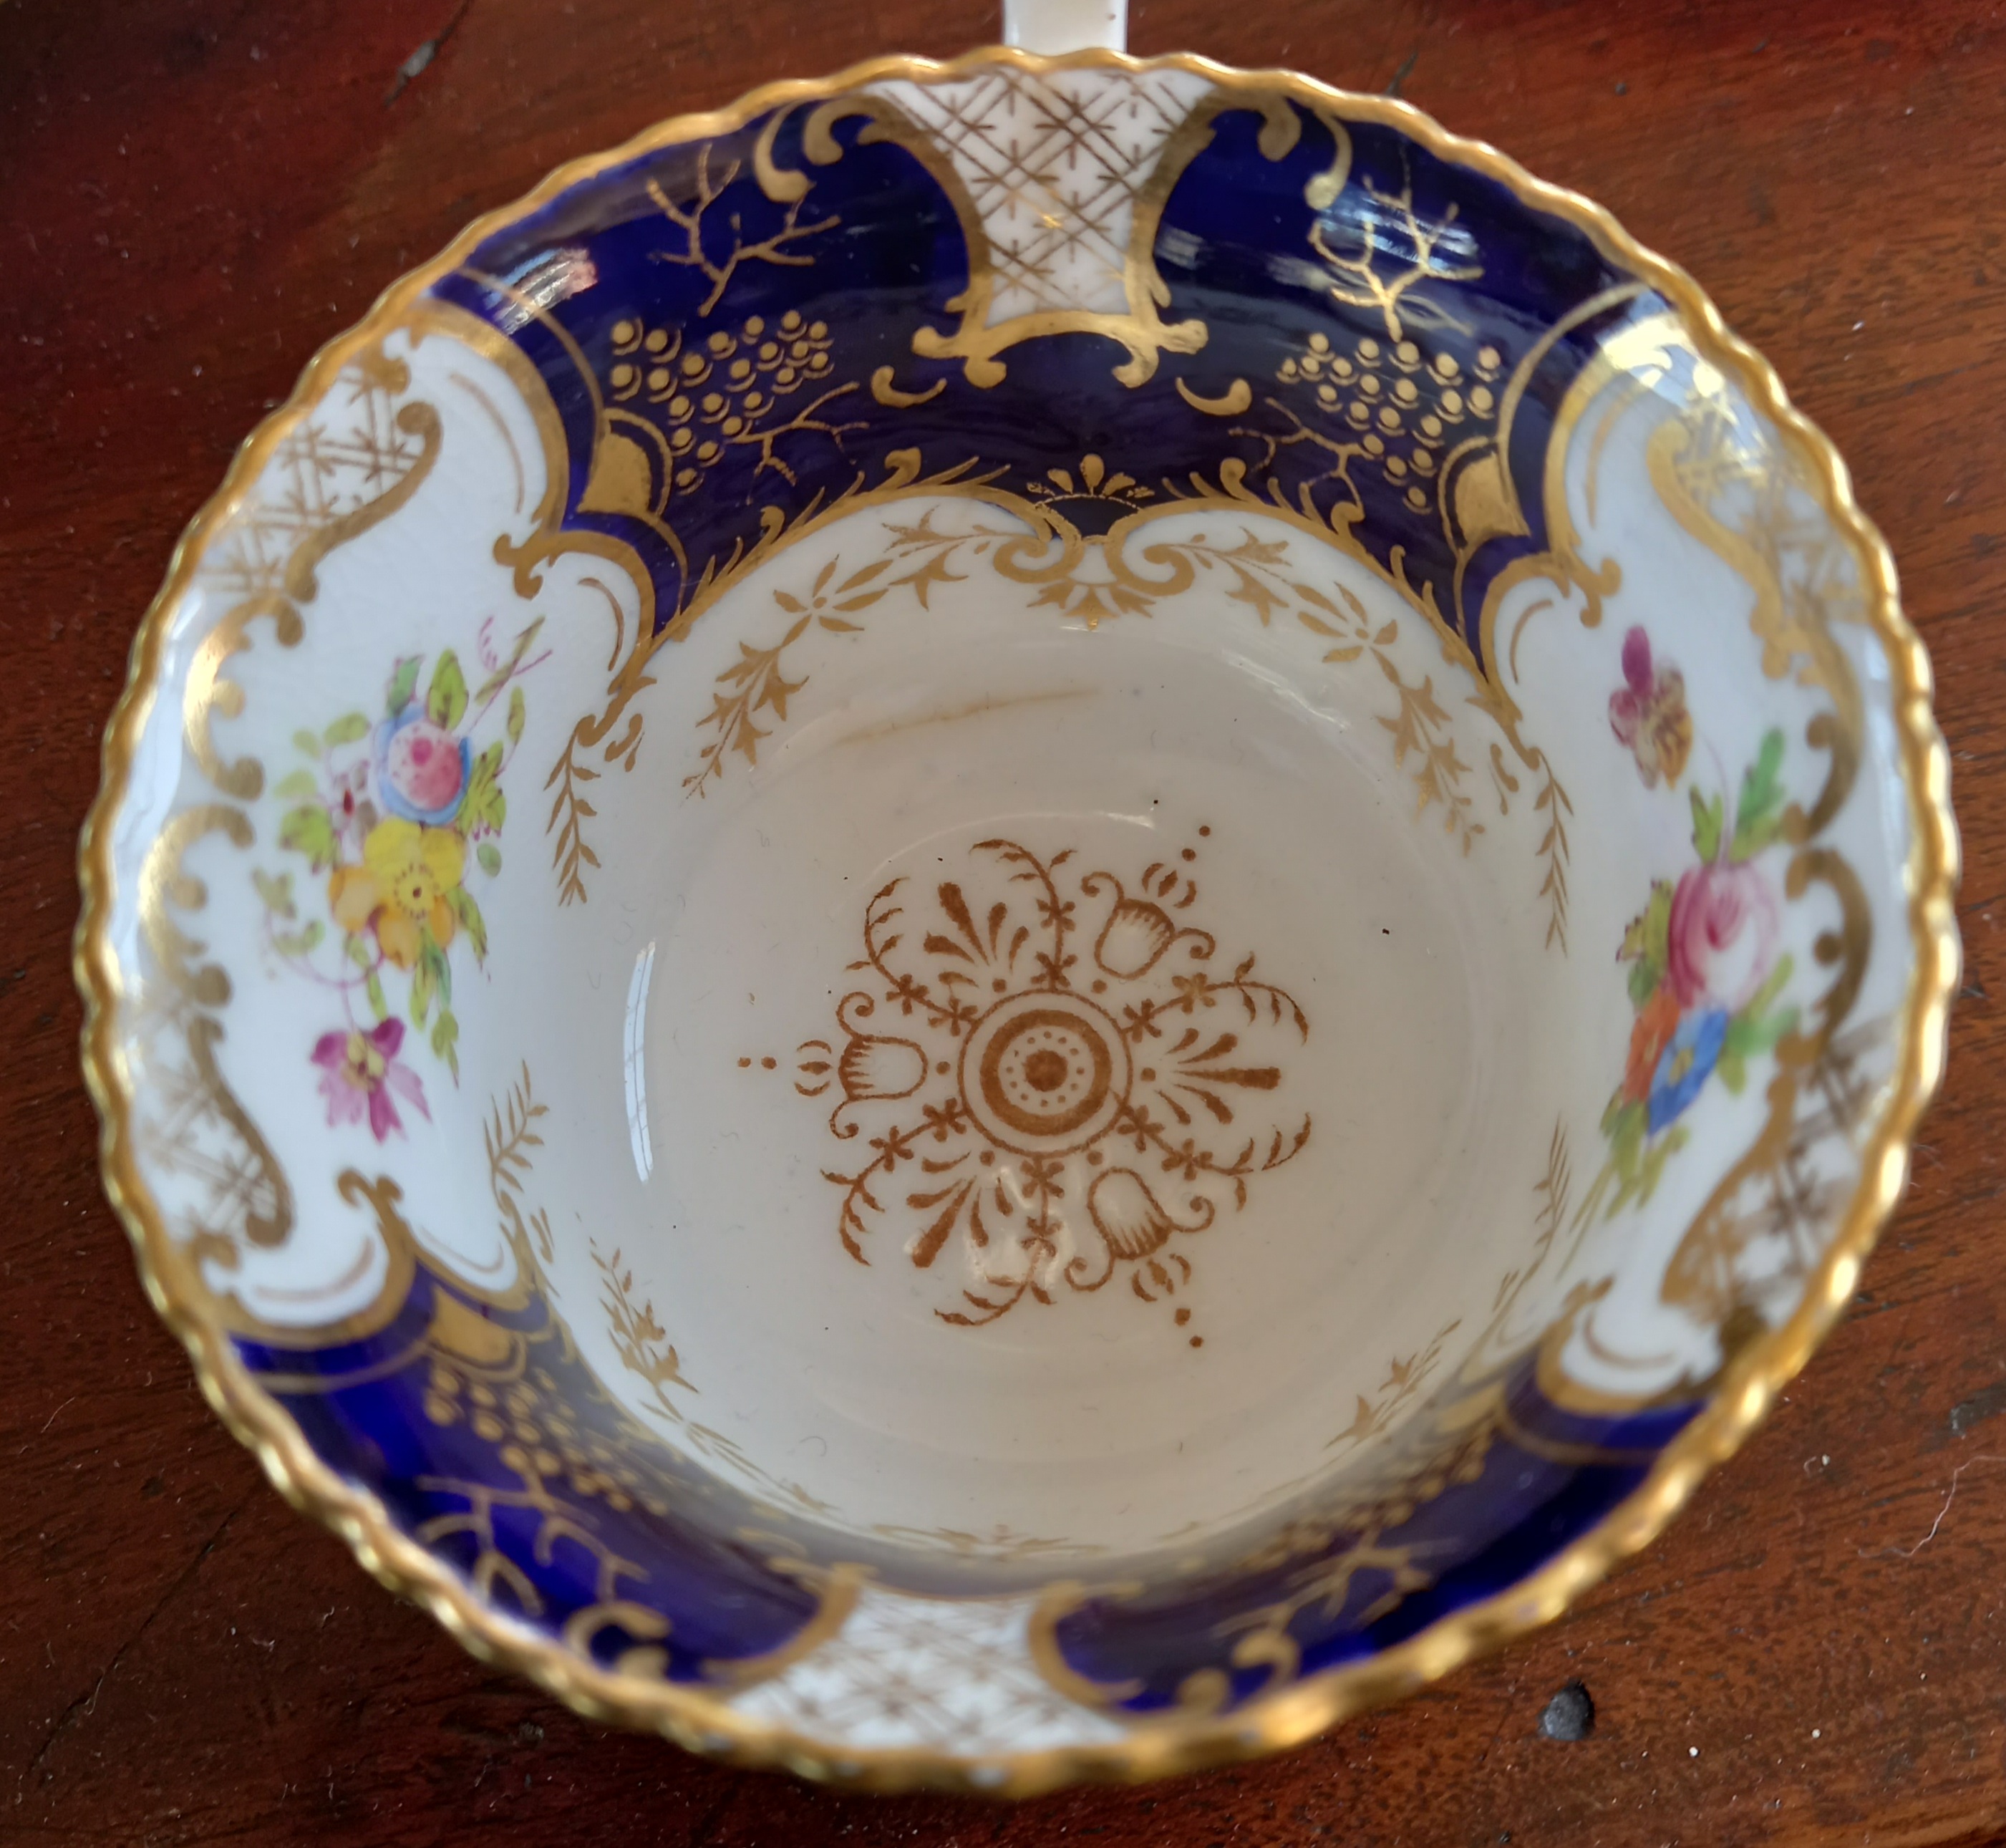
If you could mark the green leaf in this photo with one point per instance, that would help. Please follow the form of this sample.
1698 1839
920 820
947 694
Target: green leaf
360 953
518 714
422 985
446 1040
1645 943
431 958
295 784
1758 1002
301 942
483 808
372 986
1733 1068
403 683
309 829
1708 819
1748 1035
1758 816
276 890
490 857
1624 1125
345 730
1754 1031
308 743
446 698
470 920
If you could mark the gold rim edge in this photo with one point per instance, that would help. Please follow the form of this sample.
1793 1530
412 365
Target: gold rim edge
692 1716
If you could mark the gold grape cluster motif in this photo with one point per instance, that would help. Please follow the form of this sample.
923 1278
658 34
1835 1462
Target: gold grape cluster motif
1390 406
722 392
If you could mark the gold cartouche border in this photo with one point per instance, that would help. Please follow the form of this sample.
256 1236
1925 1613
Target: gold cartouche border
694 1717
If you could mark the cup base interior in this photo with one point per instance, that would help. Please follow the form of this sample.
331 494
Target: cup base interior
1066 1077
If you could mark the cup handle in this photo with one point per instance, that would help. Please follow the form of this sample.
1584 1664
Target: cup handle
1053 27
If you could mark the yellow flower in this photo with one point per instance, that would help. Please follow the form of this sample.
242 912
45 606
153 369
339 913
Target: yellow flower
401 887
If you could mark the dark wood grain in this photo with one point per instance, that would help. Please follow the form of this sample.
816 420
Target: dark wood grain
195 193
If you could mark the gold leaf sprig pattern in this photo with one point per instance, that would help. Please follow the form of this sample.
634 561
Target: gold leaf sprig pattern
755 683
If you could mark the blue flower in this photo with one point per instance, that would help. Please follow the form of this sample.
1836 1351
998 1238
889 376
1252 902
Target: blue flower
1685 1064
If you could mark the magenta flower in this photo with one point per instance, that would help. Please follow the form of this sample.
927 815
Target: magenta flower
360 1072
1648 714
1721 940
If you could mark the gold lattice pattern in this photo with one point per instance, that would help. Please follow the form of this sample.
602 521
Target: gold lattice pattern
1054 166
915 1672
349 455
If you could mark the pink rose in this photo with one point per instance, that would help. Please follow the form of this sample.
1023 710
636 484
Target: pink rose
1721 943
423 768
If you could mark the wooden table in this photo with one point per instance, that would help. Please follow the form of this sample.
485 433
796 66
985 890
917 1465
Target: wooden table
194 194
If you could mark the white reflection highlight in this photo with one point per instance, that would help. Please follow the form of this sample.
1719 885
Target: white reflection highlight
636 1064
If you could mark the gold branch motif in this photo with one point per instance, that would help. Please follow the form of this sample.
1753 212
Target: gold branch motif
688 219
1552 802
1091 579
1419 727
510 1134
1553 1192
1553 1189
1404 1378
571 808
1422 728
1360 284
754 683
644 1350
572 852
639 1339
803 421
1000 1543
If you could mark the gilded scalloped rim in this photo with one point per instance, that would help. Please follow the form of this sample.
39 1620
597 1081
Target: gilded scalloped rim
694 1717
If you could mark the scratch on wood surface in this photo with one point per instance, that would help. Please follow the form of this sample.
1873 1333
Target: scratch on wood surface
413 65
85 1705
1950 1496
